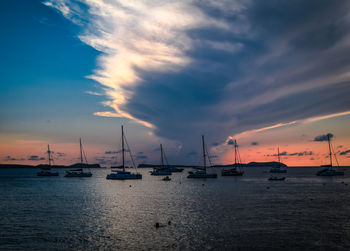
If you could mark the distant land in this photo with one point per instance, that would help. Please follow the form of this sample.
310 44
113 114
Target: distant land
78 165
250 164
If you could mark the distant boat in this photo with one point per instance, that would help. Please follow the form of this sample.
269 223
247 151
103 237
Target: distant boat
202 173
122 174
166 178
235 171
274 178
330 171
175 169
46 171
79 172
278 169
163 169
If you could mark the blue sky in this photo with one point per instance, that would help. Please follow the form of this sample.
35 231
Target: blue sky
171 71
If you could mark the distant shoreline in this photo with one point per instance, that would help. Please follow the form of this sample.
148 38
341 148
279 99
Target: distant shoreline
97 166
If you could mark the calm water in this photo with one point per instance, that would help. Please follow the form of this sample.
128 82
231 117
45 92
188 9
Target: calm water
233 213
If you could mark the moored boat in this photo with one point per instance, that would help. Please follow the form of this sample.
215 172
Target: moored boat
278 169
202 172
122 174
330 171
235 171
46 170
164 169
79 172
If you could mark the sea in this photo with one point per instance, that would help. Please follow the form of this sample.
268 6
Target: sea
304 212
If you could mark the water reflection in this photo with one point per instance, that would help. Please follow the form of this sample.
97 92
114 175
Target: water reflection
246 212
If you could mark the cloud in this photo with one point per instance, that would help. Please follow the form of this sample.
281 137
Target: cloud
230 142
219 67
141 157
35 158
111 152
345 152
9 158
116 152
192 153
254 143
323 137
284 153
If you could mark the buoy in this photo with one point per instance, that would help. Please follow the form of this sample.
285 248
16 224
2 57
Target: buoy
267 187
130 186
202 184
169 222
157 225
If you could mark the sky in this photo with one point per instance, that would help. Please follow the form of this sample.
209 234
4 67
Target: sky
270 74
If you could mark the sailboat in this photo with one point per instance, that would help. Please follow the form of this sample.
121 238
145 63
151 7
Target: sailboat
330 171
163 170
79 172
278 168
202 173
122 174
46 171
235 171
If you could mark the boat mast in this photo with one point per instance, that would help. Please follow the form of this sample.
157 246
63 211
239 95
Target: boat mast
123 150
49 154
330 151
203 146
279 159
161 155
81 152
235 153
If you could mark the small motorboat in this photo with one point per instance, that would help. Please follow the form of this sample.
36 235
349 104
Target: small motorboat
160 171
274 178
77 173
166 178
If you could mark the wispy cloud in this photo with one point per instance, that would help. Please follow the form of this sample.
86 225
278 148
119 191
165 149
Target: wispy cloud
284 153
35 158
324 137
